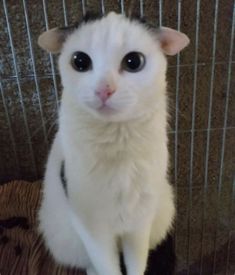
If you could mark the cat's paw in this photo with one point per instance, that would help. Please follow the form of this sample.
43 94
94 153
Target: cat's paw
91 271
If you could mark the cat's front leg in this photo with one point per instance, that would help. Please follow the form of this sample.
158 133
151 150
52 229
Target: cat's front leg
135 249
103 253
100 246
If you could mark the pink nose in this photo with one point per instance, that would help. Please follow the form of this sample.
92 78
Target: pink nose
104 93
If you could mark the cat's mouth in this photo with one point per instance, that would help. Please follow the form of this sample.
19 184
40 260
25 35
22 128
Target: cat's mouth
106 110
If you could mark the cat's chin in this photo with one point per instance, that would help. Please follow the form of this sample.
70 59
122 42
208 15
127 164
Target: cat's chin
107 113
106 110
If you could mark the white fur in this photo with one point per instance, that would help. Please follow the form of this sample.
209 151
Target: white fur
116 162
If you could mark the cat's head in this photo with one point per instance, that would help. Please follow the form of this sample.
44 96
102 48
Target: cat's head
114 68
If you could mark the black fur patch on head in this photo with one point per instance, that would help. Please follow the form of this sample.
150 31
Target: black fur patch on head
143 21
63 178
88 17
68 28
91 16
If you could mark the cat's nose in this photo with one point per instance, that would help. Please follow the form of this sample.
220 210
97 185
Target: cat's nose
105 93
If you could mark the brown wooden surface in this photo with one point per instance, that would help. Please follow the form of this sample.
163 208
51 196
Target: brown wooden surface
21 248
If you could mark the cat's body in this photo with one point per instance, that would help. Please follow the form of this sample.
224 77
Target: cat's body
114 153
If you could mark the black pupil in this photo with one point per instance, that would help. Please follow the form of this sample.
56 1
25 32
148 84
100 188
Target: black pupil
133 61
81 61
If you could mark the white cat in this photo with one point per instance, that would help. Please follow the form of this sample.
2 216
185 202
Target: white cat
110 152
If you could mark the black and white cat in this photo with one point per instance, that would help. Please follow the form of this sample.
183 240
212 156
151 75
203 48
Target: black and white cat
106 188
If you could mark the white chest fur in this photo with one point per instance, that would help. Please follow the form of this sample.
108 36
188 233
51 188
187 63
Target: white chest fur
115 171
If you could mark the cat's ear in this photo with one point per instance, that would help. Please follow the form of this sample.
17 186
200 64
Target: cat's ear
172 41
53 40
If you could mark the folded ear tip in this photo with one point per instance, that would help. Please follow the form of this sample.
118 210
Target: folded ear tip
172 41
186 39
48 41
41 40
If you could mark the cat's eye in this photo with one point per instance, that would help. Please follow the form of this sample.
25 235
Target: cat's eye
133 62
81 62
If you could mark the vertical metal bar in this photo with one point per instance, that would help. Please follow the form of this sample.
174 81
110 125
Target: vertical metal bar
141 8
19 90
230 233
65 12
12 139
122 6
228 252
224 130
83 7
51 58
193 127
102 7
160 13
35 73
177 112
209 127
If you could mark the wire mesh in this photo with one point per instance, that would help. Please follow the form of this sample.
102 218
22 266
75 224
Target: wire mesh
209 127
220 182
196 72
19 89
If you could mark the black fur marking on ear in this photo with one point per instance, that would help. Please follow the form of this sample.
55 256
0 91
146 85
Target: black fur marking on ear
63 178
